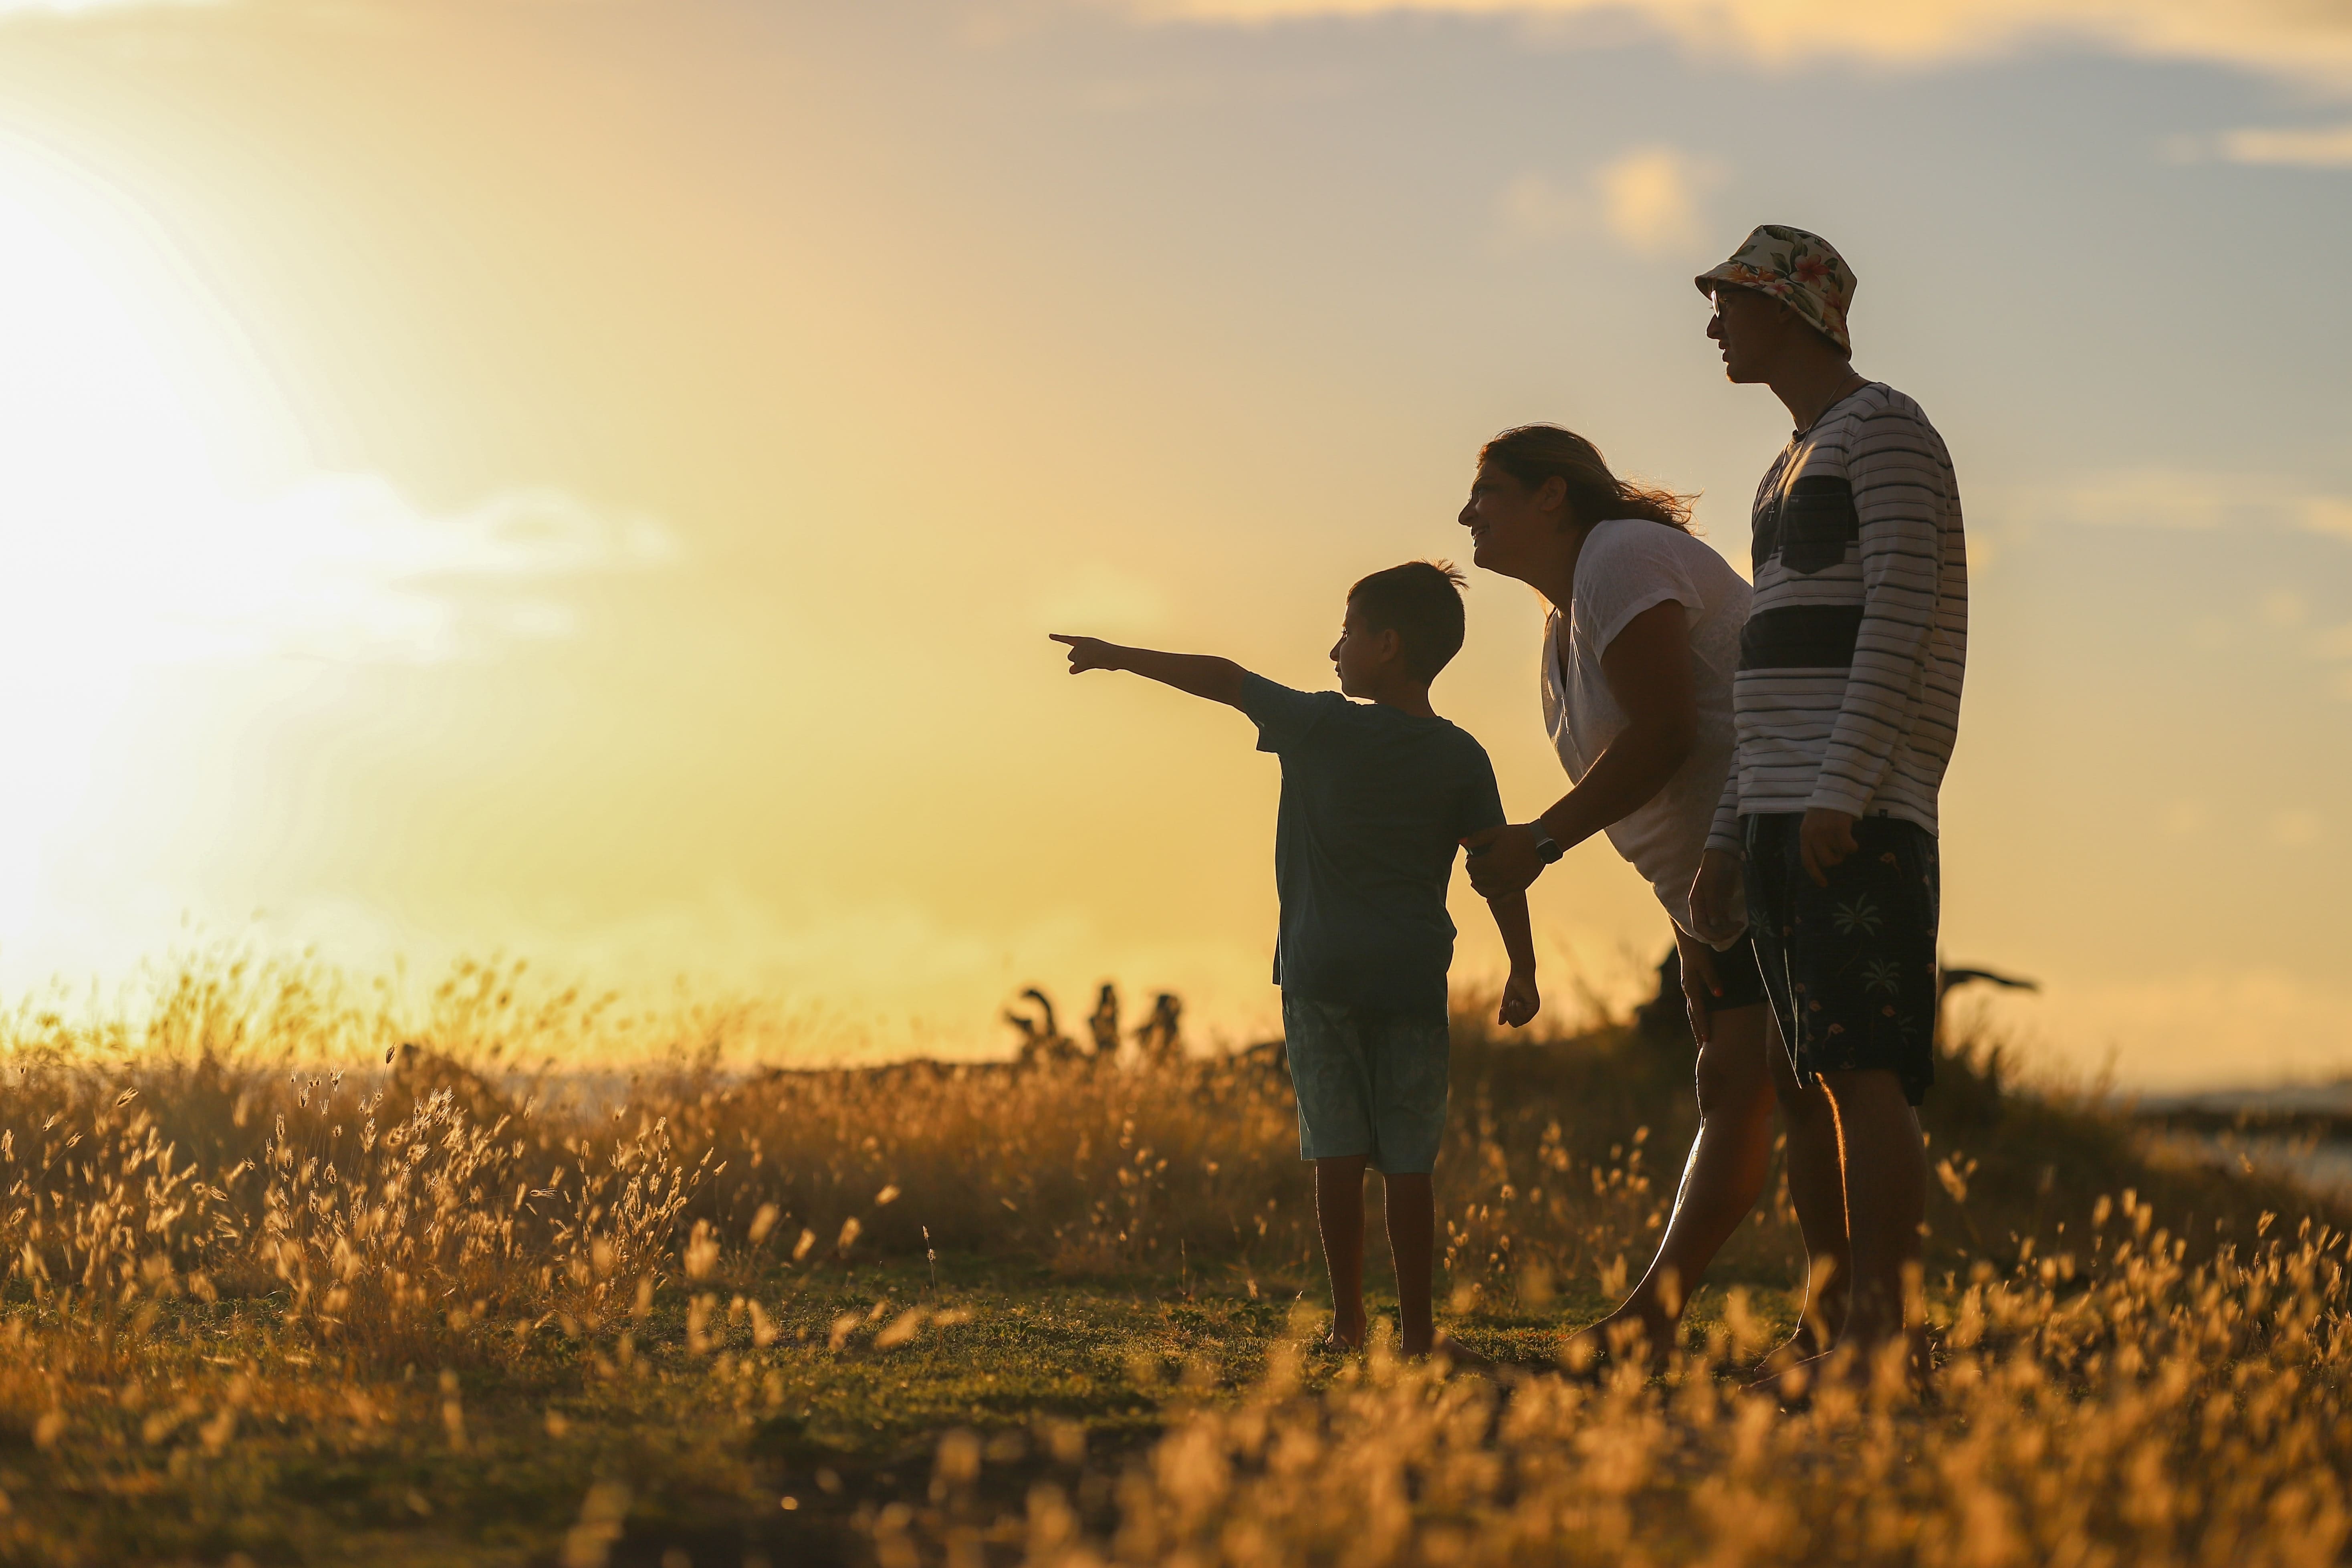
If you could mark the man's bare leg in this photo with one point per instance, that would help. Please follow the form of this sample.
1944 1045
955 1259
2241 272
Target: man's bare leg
1885 1197
1886 1167
1817 1191
1721 1181
1340 1217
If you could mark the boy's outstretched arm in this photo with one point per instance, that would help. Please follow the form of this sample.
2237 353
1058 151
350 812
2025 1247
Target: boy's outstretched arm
1521 1001
1202 675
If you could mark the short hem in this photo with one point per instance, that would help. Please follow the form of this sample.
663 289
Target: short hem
1372 1083
1849 969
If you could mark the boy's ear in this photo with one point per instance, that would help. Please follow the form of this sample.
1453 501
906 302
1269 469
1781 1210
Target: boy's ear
1391 646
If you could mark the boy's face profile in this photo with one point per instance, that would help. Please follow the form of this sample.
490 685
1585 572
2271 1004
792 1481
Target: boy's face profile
1369 662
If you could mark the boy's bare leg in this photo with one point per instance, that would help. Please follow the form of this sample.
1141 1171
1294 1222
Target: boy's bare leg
1817 1191
1411 1205
1340 1217
1721 1181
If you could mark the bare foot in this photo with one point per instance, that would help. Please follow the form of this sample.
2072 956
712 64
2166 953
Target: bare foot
1345 1338
1791 1387
1802 1346
1612 1339
1455 1356
1794 1387
1816 1334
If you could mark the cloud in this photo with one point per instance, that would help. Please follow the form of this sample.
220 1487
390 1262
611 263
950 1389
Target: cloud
1648 199
2275 146
1533 209
2160 498
2284 607
2295 39
345 566
2189 498
85 7
2326 514
2308 147
341 567
2299 828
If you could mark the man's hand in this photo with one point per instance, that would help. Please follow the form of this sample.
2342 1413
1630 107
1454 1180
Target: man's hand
1089 653
1503 860
1521 1002
1826 838
1701 985
1719 901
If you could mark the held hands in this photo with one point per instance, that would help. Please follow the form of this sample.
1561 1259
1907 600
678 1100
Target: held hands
1503 860
1701 985
1089 653
1521 1002
1826 838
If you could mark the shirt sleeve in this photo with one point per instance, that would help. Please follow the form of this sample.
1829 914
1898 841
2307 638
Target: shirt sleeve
1894 464
1285 718
1481 798
1724 834
1638 571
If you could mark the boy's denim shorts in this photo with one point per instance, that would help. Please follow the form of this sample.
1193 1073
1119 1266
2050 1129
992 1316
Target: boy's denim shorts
1367 1083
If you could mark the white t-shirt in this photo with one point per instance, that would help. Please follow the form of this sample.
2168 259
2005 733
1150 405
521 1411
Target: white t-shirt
1629 565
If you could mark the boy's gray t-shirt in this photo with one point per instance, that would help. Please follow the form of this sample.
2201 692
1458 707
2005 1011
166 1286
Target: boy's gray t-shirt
1375 804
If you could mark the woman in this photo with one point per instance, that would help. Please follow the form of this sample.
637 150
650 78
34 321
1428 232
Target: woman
1638 656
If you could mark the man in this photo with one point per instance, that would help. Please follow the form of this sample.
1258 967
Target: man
1846 704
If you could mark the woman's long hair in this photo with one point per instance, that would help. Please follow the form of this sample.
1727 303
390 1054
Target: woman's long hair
1534 452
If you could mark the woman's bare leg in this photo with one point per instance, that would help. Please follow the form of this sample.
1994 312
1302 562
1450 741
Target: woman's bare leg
1721 1181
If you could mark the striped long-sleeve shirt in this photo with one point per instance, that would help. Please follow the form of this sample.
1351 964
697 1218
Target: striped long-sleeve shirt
1848 694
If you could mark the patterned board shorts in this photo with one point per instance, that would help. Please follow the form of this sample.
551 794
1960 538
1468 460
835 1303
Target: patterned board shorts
1368 1082
1851 967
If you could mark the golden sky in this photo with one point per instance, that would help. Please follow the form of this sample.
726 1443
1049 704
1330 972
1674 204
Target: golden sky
589 478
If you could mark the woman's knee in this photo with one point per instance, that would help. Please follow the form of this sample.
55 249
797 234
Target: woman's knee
1732 1081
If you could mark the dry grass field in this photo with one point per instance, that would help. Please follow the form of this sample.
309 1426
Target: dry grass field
291 1278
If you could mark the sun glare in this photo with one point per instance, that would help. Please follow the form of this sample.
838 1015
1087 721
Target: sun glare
128 423
161 512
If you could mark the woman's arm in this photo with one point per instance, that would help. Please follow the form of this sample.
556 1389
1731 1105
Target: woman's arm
1648 668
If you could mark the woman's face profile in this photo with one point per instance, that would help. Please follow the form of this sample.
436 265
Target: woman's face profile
1510 526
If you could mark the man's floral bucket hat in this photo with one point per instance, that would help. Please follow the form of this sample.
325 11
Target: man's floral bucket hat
1801 270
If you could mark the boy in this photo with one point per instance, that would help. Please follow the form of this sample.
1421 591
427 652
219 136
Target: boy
1377 795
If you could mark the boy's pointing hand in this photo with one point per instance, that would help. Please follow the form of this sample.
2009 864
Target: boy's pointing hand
1088 653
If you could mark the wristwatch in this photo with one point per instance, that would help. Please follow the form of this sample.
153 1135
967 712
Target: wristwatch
1547 850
